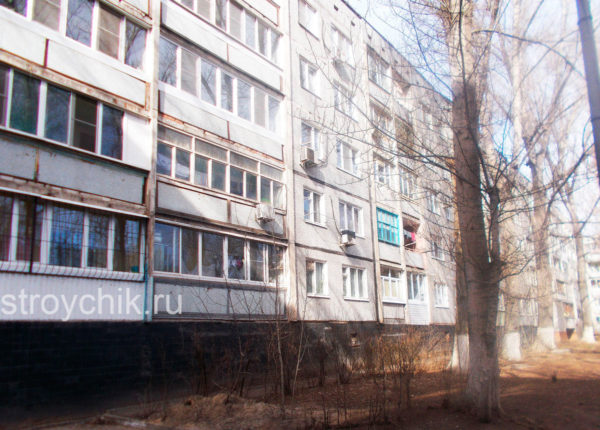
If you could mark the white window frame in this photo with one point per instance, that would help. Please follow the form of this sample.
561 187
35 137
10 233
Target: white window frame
408 183
433 202
347 152
378 70
350 273
441 292
343 100
395 283
314 280
356 223
312 218
308 17
383 172
437 250
341 46
314 141
309 76
420 287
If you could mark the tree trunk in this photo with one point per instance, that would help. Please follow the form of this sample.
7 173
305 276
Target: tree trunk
584 297
460 351
481 281
545 295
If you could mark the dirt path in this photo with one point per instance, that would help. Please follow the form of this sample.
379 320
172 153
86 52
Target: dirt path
559 390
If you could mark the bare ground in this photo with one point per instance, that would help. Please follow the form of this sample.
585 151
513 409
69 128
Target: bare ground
558 390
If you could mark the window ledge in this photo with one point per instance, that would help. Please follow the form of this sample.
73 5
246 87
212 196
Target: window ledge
312 93
416 302
442 306
348 172
318 296
357 299
308 30
394 301
223 281
316 224
387 90
79 272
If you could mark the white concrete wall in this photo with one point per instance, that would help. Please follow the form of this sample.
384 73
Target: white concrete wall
25 297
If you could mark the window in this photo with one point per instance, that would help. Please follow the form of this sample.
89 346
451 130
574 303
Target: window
212 255
392 285
440 297
308 76
342 48
15 227
310 139
47 12
79 21
408 183
114 34
433 202
346 157
191 252
343 99
316 282
313 207
68 236
383 172
4 78
19 6
183 157
216 86
416 287
437 251
63 116
234 19
410 235
381 120
404 136
387 227
24 103
307 17
351 218
353 280
378 70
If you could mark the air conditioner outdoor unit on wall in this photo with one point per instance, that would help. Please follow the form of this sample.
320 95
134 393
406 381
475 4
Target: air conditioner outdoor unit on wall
348 237
307 159
265 212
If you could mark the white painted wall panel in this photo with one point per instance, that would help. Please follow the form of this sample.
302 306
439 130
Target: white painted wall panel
87 69
257 67
191 202
266 8
192 114
260 142
106 299
16 158
137 141
414 259
255 303
177 19
418 314
194 299
390 252
15 37
140 4
245 215
97 178
393 311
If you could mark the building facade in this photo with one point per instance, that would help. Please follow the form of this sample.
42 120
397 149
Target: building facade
218 160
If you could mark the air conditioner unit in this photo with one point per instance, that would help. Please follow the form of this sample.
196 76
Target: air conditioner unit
348 237
265 212
307 159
